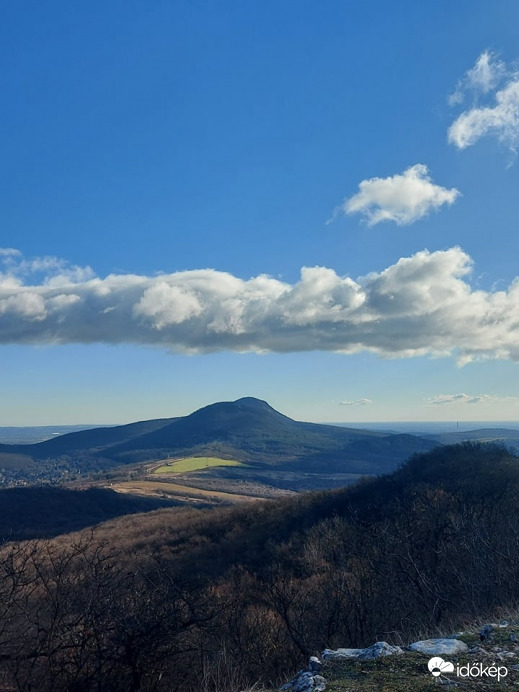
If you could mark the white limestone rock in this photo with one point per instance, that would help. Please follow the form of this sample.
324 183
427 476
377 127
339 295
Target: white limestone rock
432 647
336 654
381 649
314 665
374 651
306 681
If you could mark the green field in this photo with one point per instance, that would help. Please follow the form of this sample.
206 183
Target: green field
194 464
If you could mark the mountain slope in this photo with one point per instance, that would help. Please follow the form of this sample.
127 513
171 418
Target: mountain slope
92 439
247 430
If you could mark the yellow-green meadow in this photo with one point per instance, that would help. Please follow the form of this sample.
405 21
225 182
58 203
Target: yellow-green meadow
194 464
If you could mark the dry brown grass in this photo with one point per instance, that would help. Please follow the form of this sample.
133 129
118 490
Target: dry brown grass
176 490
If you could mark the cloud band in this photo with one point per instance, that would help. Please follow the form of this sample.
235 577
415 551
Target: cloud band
421 305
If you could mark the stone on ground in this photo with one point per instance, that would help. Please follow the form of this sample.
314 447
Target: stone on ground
448 647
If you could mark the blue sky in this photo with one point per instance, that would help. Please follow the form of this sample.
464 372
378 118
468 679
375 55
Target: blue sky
314 203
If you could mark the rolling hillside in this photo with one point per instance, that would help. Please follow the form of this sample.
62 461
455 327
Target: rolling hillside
163 593
422 550
247 430
506 436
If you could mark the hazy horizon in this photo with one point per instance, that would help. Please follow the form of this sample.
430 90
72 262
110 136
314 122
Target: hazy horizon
411 426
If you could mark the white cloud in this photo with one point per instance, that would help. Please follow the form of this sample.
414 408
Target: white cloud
27 305
499 117
55 271
442 399
167 305
402 198
421 305
356 402
501 120
486 74
9 252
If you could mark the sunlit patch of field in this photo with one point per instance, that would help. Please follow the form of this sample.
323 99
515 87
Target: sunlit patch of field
193 464
177 491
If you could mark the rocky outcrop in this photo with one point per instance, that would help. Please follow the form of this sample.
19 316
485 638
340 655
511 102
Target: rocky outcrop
501 643
310 681
374 651
435 647
307 680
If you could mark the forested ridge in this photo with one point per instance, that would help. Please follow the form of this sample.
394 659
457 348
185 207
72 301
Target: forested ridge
218 599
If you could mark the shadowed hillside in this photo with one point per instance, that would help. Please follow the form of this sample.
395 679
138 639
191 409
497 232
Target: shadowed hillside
40 512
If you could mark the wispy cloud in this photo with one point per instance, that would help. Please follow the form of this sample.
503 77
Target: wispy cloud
402 198
442 399
487 73
423 304
52 271
499 115
356 402
9 252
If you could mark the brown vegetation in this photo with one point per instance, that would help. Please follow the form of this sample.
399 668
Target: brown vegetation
212 600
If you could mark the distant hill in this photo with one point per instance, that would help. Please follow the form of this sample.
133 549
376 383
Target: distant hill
509 437
246 430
